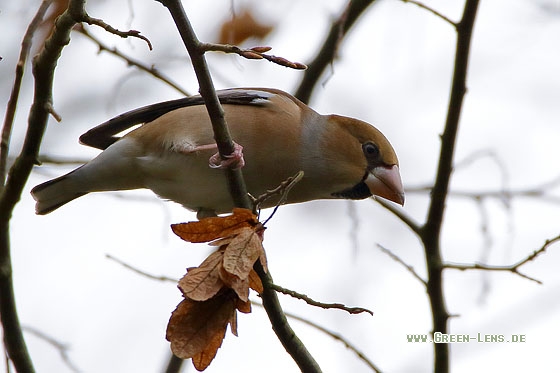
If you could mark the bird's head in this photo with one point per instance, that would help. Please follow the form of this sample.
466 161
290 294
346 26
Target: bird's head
365 156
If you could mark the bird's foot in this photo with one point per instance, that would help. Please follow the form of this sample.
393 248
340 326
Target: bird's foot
234 160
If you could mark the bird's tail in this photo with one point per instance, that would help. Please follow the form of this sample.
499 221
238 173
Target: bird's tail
54 193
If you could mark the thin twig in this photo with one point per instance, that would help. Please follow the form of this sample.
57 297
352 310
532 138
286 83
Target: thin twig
431 10
132 62
408 267
61 347
327 53
504 194
333 335
84 17
311 302
16 88
283 189
139 271
514 268
255 53
399 213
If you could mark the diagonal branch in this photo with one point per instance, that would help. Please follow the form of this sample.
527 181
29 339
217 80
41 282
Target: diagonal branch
293 345
255 53
408 267
399 213
431 10
130 61
330 46
14 96
333 335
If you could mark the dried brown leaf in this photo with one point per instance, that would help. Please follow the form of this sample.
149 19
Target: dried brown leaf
233 324
202 360
203 282
195 327
213 228
255 282
244 307
239 285
242 252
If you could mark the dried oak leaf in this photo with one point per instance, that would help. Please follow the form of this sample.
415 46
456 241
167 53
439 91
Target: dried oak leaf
255 282
239 285
202 360
198 328
203 282
210 229
242 252
243 306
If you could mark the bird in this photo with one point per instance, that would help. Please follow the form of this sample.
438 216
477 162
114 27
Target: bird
341 157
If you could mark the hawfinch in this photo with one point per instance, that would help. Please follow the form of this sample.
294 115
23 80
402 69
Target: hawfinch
341 157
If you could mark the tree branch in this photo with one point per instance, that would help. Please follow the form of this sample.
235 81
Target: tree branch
130 61
293 345
431 232
334 336
431 10
255 53
329 49
408 267
399 213
514 268
61 347
84 17
43 71
14 96
312 302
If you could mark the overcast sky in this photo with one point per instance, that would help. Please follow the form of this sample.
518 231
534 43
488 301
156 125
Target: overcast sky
394 71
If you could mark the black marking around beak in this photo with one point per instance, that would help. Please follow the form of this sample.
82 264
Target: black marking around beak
358 191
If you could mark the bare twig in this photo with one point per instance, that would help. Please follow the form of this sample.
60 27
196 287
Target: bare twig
329 49
505 194
514 268
139 271
61 347
431 10
255 53
333 335
408 267
399 213
14 96
132 62
308 300
283 189
84 17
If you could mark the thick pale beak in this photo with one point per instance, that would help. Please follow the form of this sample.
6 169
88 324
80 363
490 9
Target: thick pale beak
386 182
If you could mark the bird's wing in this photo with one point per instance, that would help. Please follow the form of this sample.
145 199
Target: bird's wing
103 135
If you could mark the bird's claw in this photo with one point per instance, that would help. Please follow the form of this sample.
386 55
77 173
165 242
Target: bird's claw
234 160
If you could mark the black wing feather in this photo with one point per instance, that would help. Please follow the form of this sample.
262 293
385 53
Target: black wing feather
104 135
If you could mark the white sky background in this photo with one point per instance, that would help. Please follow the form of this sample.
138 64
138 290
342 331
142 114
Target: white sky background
394 71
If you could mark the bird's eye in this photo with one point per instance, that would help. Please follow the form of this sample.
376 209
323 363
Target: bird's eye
370 150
